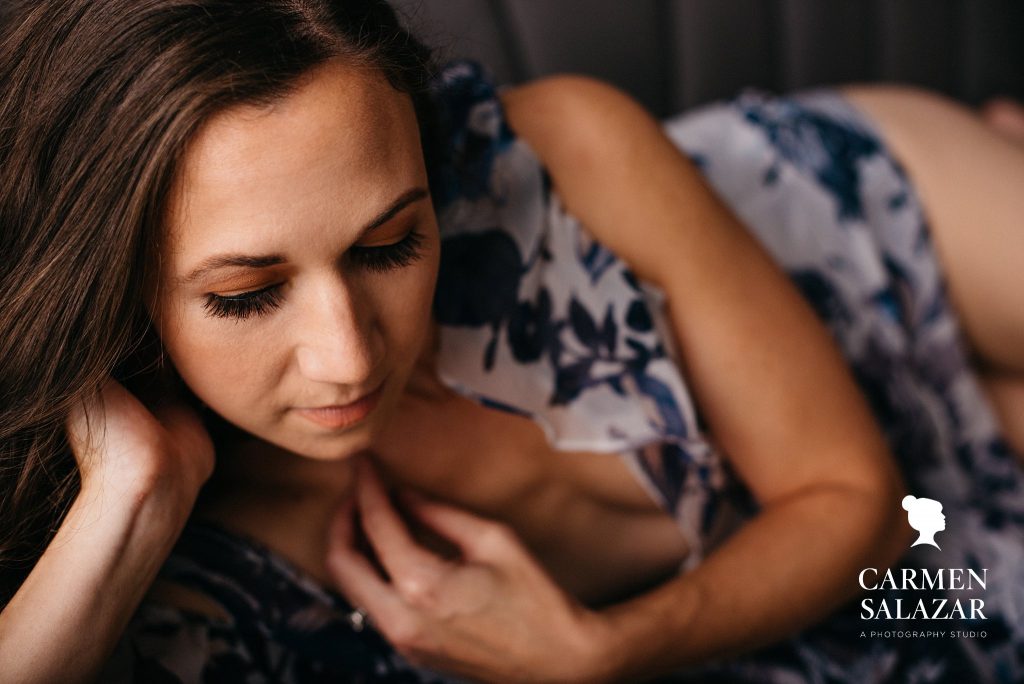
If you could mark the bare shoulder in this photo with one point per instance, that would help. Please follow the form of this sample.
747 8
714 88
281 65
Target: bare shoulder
568 115
615 169
570 93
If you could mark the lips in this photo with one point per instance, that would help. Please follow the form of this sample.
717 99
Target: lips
338 417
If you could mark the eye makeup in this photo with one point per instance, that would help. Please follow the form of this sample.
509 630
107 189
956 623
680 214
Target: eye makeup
378 259
386 257
244 305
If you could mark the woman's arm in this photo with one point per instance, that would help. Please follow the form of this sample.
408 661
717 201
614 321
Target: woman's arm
773 387
139 481
777 397
68 615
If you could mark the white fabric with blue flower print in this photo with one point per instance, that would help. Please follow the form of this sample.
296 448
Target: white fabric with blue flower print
538 319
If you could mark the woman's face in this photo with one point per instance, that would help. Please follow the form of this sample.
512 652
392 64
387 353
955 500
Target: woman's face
301 255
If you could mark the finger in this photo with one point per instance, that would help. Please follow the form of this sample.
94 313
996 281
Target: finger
477 537
355 575
407 563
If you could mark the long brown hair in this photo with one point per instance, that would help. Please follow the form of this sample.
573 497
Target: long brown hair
99 100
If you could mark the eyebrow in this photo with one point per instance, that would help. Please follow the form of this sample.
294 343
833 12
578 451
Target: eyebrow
262 261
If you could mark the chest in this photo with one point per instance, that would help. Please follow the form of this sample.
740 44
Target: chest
584 515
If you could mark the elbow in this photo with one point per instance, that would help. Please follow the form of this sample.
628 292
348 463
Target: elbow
887 534
896 535
865 498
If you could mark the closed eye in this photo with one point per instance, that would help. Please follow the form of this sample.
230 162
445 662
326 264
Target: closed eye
245 304
377 259
387 257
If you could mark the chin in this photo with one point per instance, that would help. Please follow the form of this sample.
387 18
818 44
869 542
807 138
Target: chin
336 446
298 440
297 435
335 449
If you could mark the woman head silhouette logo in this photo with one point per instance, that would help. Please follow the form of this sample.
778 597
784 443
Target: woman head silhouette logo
925 516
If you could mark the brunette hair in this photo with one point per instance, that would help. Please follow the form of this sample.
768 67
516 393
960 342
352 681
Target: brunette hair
99 99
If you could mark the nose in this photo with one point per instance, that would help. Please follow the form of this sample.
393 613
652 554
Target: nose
339 341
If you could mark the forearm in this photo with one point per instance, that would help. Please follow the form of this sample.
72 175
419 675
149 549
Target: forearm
770 382
68 615
788 568
781 404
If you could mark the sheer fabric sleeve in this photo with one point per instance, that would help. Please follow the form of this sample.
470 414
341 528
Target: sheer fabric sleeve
536 316
540 319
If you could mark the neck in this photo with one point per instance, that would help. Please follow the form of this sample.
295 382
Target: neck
291 498
251 471
252 463
284 500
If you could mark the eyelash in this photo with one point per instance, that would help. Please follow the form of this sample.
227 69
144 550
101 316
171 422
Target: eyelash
374 259
244 305
388 257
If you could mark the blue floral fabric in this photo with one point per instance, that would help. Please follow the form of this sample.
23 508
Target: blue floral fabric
282 626
539 319
811 178
524 288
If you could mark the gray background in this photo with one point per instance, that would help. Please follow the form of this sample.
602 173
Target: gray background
673 54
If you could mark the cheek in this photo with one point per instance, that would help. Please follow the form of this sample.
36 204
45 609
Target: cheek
239 368
224 365
408 304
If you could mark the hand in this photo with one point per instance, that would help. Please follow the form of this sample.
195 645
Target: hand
140 474
124 449
493 614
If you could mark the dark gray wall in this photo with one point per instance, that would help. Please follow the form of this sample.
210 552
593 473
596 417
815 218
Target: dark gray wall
673 54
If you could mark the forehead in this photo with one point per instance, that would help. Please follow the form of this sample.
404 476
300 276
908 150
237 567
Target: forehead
330 152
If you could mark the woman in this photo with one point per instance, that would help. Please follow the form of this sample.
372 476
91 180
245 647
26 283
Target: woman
243 188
